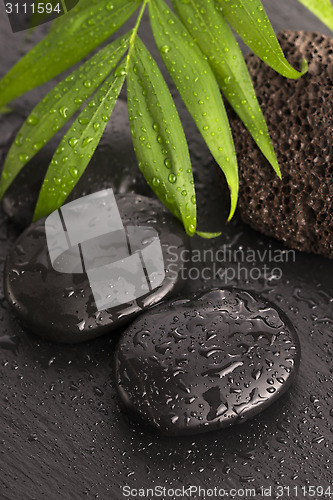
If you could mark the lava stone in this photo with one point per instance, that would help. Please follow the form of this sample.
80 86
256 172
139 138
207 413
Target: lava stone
113 165
297 210
207 362
60 306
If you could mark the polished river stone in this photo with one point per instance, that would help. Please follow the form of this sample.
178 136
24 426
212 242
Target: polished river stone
194 365
60 306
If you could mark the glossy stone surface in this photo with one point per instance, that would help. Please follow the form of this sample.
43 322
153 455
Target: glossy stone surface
61 307
195 365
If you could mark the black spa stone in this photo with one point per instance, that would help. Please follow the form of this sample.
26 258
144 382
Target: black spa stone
61 307
194 365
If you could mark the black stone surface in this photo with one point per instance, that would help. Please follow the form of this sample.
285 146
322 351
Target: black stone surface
63 435
198 364
60 306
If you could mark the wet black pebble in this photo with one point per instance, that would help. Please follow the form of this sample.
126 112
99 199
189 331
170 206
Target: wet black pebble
60 306
194 365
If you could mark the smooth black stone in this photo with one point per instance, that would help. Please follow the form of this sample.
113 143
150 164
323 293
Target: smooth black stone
113 165
194 365
61 307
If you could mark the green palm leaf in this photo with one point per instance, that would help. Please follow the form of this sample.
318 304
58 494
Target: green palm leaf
213 35
76 35
198 88
250 21
323 9
58 106
158 137
78 145
202 57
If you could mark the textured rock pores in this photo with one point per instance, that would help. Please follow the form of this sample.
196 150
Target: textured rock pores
297 210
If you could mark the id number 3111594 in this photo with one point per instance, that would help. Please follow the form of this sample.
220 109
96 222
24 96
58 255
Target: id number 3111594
304 491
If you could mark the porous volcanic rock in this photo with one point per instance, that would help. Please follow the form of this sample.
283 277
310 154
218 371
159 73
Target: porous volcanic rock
297 210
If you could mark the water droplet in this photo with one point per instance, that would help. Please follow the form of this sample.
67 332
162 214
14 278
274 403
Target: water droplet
19 140
32 120
81 325
72 142
86 141
24 157
165 49
74 172
64 111
83 121
120 71
57 180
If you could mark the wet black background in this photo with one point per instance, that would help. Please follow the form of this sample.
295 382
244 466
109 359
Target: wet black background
63 434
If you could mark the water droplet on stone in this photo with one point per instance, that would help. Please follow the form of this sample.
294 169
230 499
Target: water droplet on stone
208 381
